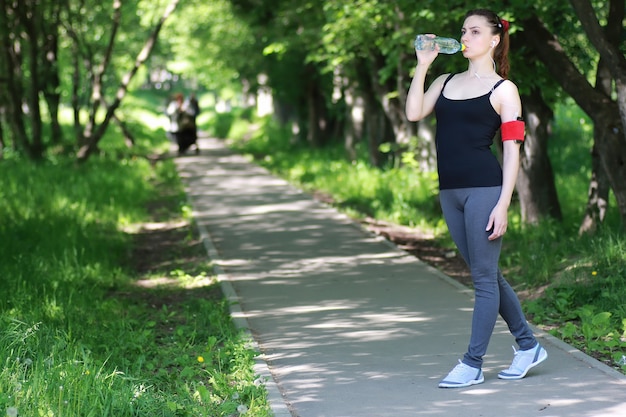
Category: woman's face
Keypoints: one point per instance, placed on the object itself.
(476, 36)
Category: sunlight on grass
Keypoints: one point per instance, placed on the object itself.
(81, 335)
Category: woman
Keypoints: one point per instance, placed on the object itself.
(475, 191)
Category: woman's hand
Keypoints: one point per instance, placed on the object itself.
(426, 56)
(498, 222)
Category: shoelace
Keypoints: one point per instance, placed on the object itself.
(458, 370)
(517, 357)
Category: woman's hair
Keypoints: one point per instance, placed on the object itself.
(501, 52)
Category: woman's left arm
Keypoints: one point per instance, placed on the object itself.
(510, 109)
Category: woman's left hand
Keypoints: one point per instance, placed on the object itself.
(498, 222)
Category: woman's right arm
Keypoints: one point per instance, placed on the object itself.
(420, 104)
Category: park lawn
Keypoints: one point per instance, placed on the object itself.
(111, 307)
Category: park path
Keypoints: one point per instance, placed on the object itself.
(348, 325)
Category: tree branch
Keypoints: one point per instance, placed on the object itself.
(88, 148)
(551, 53)
(608, 51)
(98, 76)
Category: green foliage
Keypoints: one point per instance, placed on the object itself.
(221, 124)
(572, 160)
(209, 42)
(534, 254)
(585, 302)
(80, 337)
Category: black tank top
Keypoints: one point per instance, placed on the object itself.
(465, 132)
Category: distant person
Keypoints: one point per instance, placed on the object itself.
(182, 123)
(475, 191)
(170, 110)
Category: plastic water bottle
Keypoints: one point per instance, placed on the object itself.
(446, 45)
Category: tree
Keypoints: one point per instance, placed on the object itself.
(25, 27)
(51, 80)
(93, 131)
(535, 184)
(606, 45)
(612, 66)
(599, 186)
(211, 43)
(601, 108)
(34, 66)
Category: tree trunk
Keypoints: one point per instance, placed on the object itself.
(373, 117)
(316, 119)
(598, 194)
(611, 143)
(607, 43)
(13, 75)
(50, 72)
(601, 108)
(355, 110)
(535, 182)
(391, 103)
(97, 80)
(373, 131)
(2, 123)
(31, 20)
(129, 138)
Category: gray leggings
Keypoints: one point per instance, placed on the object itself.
(466, 211)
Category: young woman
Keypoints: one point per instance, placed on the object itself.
(475, 191)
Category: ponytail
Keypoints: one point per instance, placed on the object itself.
(501, 56)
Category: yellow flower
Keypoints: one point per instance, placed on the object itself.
(200, 359)
(594, 273)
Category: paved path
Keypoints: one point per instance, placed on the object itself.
(349, 325)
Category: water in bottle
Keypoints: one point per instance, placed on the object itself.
(446, 45)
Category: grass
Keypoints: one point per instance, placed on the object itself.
(575, 283)
(88, 329)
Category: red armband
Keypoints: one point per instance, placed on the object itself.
(513, 130)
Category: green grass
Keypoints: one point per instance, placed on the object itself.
(580, 277)
(80, 336)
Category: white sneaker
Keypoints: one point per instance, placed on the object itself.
(462, 376)
(523, 361)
